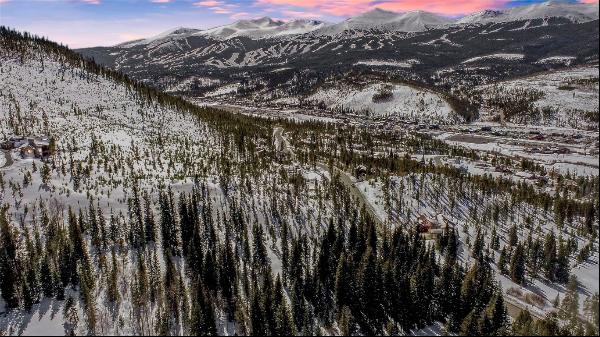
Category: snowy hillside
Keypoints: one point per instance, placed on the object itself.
(566, 98)
(404, 101)
(127, 211)
(116, 143)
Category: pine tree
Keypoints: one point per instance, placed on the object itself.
(517, 265)
(113, 288)
(523, 324)
(569, 308)
(550, 259)
(503, 261)
(259, 253)
(498, 315)
(471, 324)
(257, 319)
(9, 276)
(71, 316)
(562, 264)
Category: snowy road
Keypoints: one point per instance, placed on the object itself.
(282, 145)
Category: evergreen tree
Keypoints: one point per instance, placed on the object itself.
(517, 265)
(9, 277)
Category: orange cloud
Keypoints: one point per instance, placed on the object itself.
(353, 7)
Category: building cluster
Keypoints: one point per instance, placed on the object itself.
(28, 147)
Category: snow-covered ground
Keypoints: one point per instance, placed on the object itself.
(578, 162)
(384, 63)
(430, 195)
(406, 102)
(571, 92)
(501, 56)
(108, 136)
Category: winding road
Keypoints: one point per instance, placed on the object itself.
(282, 145)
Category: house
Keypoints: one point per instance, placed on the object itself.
(432, 228)
(293, 170)
(360, 172)
(42, 147)
(27, 151)
(29, 148)
(503, 169)
(426, 224)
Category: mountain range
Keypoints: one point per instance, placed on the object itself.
(417, 46)
(379, 19)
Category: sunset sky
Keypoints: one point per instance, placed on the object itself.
(83, 23)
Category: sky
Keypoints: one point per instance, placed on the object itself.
(87, 23)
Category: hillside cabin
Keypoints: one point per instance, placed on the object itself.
(28, 148)
(432, 228)
(27, 151)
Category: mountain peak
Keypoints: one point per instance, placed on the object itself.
(576, 12)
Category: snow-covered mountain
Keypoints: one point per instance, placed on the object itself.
(415, 21)
(264, 27)
(169, 34)
(377, 19)
(255, 29)
(576, 12)
(418, 45)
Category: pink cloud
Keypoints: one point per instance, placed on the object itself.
(218, 7)
(240, 15)
(588, 1)
(160, 1)
(209, 3)
(353, 7)
(92, 2)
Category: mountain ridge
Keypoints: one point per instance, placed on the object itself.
(379, 19)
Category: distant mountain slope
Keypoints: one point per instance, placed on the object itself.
(264, 28)
(416, 21)
(574, 12)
